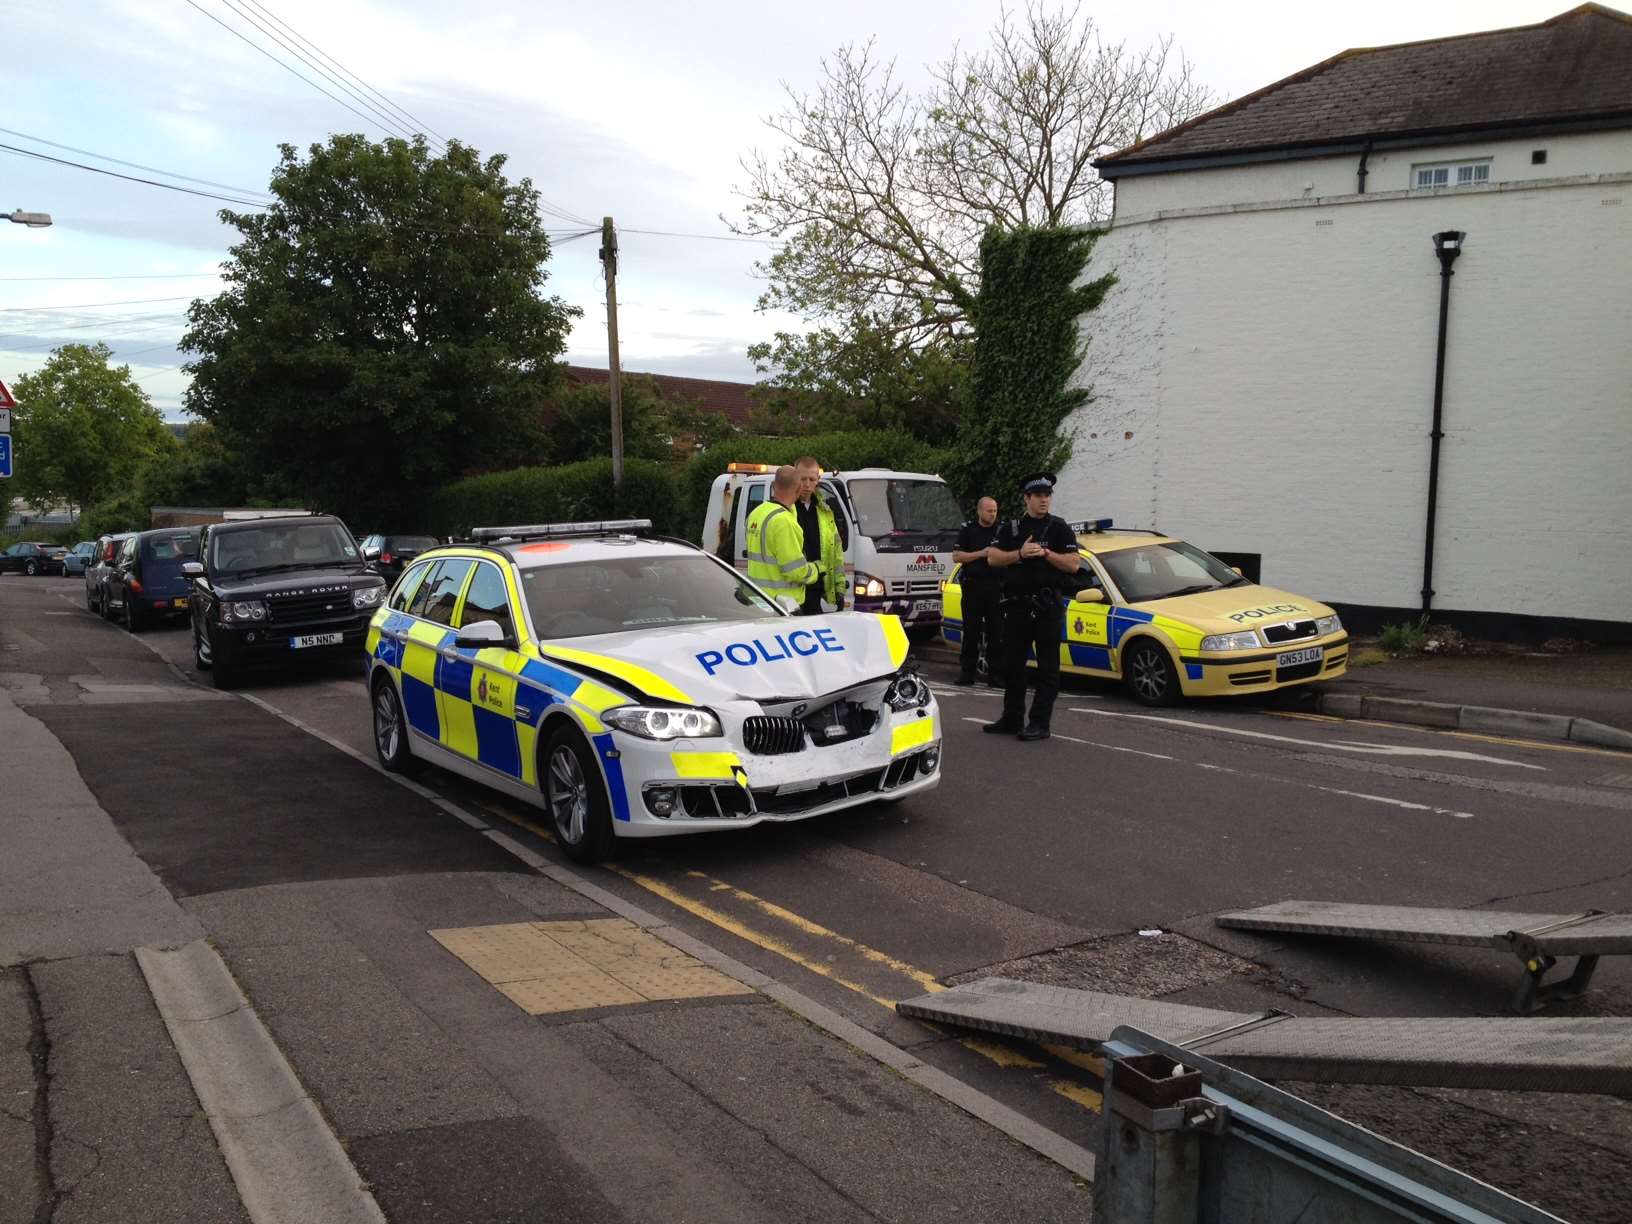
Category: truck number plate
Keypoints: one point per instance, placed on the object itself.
(317, 639)
(1293, 657)
(920, 606)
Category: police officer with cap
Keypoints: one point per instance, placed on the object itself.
(1037, 555)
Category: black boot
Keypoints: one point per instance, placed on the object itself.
(1035, 731)
(1003, 726)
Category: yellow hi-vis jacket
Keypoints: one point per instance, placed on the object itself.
(776, 552)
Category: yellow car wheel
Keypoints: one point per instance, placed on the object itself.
(1149, 673)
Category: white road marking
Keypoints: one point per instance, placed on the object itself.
(1398, 750)
(1330, 790)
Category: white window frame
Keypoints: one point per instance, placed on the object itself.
(1454, 173)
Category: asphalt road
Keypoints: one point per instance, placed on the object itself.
(1051, 861)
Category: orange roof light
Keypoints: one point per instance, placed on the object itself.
(757, 468)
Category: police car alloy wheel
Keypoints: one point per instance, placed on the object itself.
(1150, 674)
(390, 729)
(576, 799)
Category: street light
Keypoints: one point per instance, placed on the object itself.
(1447, 245)
(31, 219)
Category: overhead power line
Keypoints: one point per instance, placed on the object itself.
(243, 191)
(623, 229)
(388, 121)
(420, 124)
(131, 178)
(238, 34)
(87, 305)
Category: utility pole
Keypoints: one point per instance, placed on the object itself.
(609, 260)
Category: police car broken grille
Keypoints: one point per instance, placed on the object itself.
(1289, 631)
(309, 606)
(840, 722)
(770, 736)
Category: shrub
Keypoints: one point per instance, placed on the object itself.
(570, 493)
(1406, 638)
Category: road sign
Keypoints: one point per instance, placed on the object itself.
(5, 456)
(5, 397)
(5, 420)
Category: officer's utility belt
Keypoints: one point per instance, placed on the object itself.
(1044, 599)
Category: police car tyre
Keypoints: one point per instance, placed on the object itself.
(579, 808)
(390, 729)
(1150, 675)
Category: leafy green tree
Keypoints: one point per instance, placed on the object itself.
(654, 427)
(859, 377)
(83, 429)
(382, 328)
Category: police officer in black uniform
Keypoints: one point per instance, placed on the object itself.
(982, 590)
(1037, 556)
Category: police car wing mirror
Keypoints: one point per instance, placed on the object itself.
(1089, 595)
(787, 603)
(483, 633)
(191, 569)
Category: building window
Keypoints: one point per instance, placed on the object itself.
(1451, 174)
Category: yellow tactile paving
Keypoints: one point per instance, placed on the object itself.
(568, 966)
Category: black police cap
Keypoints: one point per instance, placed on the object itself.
(1038, 482)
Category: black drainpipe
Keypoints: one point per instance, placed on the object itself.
(1447, 245)
(1362, 172)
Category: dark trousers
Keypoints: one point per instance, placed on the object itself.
(813, 600)
(1031, 623)
(982, 621)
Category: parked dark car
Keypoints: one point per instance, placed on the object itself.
(391, 554)
(145, 582)
(32, 557)
(101, 565)
(78, 558)
(274, 591)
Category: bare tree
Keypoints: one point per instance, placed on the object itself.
(882, 195)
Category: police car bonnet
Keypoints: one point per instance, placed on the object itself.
(793, 656)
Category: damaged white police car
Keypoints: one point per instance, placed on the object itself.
(635, 686)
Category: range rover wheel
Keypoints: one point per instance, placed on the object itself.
(202, 660)
(580, 811)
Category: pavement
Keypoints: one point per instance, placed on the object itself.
(704, 1029)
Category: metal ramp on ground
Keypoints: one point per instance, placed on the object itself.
(1538, 940)
(1548, 1054)
(1190, 1141)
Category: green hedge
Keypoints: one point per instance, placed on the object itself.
(842, 451)
(570, 493)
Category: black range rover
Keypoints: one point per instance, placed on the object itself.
(274, 590)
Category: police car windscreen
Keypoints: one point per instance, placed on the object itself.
(579, 599)
(280, 545)
(1161, 571)
(904, 507)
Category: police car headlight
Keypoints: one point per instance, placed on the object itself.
(869, 587)
(244, 610)
(1231, 641)
(663, 722)
(367, 597)
(906, 691)
(1328, 624)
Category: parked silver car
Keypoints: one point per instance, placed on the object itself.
(78, 558)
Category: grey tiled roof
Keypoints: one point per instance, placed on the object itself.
(1574, 66)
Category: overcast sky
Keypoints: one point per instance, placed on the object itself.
(639, 111)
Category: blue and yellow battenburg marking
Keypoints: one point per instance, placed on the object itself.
(489, 704)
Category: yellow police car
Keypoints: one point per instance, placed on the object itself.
(636, 686)
(1168, 620)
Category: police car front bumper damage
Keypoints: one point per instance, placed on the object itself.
(796, 774)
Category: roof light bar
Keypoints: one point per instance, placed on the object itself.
(556, 531)
(1085, 526)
